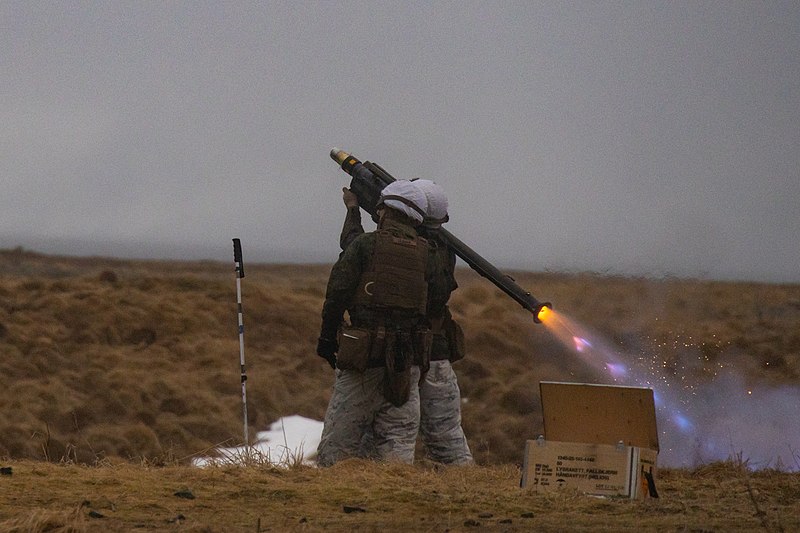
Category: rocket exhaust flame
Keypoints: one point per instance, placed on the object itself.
(542, 313)
(699, 422)
(605, 360)
(572, 336)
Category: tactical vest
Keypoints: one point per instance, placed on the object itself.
(395, 276)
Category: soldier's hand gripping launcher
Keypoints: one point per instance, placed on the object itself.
(368, 181)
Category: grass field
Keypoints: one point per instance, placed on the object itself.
(360, 496)
(114, 374)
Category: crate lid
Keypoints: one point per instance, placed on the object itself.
(601, 414)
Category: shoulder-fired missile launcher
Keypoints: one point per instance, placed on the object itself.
(369, 179)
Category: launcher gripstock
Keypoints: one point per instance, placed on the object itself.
(368, 181)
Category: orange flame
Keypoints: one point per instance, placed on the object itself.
(544, 314)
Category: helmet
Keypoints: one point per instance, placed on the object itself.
(437, 203)
(403, 196)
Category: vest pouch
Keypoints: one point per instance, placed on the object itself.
(455, 339)
(423, 341)
(377, 352)
(399, 359)
(354, 348)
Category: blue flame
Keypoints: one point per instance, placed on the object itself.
(617, 370)
(683, 422)
(581, 344)
(657, 398)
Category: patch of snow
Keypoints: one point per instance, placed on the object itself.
(289, 440)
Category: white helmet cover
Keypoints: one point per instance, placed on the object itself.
(437, 202)
(404, 196)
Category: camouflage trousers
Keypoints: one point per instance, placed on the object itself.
(440, 423)
(356, 407)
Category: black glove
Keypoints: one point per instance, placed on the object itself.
(327, 348)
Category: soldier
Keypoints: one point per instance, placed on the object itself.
(440, 397)
(381, 280)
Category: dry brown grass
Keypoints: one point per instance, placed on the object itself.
(365, 496)
(114, 373)
(133, 359)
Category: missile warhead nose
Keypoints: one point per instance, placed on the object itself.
(339, 155)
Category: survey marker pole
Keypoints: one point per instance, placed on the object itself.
(237, 261)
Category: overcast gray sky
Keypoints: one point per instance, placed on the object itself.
(637, 138)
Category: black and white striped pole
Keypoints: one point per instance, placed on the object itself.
(237, 261)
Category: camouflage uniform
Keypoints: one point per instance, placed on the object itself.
(357, 404)
(439, 394)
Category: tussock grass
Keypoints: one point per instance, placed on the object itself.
(41, 520)
(138, 360)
